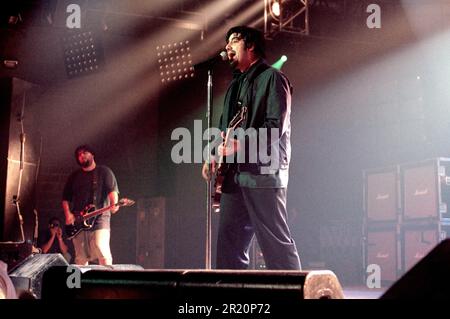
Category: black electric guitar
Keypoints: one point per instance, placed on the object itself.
(85, 220)
(222, 167)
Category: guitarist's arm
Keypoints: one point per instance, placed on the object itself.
(113, 199)
(70, 218)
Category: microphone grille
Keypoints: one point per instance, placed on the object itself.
(224, 55)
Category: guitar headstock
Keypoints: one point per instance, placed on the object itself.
(126, 202)
(239, 117)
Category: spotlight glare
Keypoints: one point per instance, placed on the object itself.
(279, 64)
(276, 8)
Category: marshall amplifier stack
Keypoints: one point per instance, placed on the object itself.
(406, 214)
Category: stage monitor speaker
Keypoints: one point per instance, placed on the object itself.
(178, 286)
(428, 279)
(100, 282)
(13, 253)
(27, 276)
(272, 286)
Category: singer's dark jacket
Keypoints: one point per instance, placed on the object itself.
(267, 94)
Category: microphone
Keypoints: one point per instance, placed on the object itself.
(222, 56)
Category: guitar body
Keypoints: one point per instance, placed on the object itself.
(75, 229)
(80, 223)
(85, 220)
(220, 177)
(224, 168)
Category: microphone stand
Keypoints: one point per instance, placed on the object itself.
(209, 183)
(210, 64)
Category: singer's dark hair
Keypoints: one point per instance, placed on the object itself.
(251, 37)
(83, 148)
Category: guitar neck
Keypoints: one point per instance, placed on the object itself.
(99, 211)
(225, 143)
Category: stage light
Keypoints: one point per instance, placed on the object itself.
(175, 61)
(10, 64)
(275, 7)
(286, 15)
(82, 53)
(279, 64)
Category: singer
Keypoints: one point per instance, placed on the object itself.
(253, 200)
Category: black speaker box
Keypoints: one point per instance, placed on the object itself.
(428, 279)
(13, 254)
(213, 286)
(27, 276)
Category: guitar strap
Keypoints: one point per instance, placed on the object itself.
(246, 88)
(94, 188)
(94, 192)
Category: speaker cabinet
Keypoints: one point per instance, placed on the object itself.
(419, 239)
(151, 232)
(421, 188)
(18, 160)
(428, 279)
(27, 277)
(180, 286)
(382, 250)
(381, 194)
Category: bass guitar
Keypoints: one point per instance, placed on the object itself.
(222, 167)
(85, 220)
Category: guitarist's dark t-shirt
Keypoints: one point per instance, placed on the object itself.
(79, 192)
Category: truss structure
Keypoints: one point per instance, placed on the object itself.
(293, 17)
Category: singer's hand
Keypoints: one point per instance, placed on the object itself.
(206, 173)
(233, 146)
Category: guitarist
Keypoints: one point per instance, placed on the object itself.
(97, 185)
(253, 200)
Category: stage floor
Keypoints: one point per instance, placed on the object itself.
(361, 292)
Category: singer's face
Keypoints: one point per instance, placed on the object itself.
(238, 54)
(85, 158)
